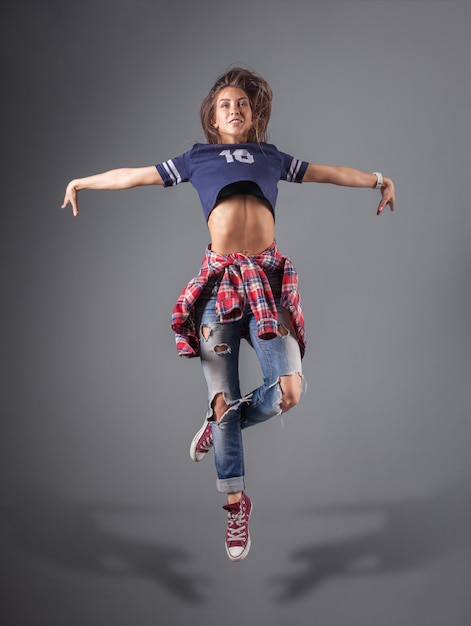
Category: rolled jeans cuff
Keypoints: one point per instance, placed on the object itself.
(230, 485)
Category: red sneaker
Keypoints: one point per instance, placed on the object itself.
(237, 534)
(202, 442)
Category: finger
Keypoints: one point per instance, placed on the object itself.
(73, 204)
(388, 202)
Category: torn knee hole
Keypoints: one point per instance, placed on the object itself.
(205, 332)
(219, 401)
(291, 388)
(219, 406)
(282, 330)
(222, 348)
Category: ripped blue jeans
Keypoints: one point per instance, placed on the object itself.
(219, 353)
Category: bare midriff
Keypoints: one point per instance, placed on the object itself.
(241, 223)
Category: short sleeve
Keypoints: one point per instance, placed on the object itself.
(175, 171)
(292, 169)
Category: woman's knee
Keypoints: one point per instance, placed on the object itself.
(219, 406)
(291, 389)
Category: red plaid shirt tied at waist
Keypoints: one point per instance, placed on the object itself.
(242, 279)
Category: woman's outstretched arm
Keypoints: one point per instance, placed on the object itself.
(122, 178)
(350, 177)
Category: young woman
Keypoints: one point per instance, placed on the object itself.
(245, 287)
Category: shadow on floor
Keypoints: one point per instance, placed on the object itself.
(71, 534)
(413, 533)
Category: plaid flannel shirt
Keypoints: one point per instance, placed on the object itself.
(243, 278)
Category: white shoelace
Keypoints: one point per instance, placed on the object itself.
(236, 527)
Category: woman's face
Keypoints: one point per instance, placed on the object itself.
(233, 115)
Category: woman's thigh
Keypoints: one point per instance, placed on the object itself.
(280, 356)
(219, 351)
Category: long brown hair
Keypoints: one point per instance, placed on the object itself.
(260, 97)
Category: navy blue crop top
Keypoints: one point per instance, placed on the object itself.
(214, 171)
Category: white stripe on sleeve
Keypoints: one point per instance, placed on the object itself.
(293, 170)
(172, 172)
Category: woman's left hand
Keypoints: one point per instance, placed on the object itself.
(388, 196)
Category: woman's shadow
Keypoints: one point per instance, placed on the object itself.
(413, 533)
(71, 534)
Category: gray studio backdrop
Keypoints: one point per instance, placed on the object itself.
(362, 495)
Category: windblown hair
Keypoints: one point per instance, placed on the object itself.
(260, 97)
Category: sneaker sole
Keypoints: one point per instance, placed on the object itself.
(193, 453)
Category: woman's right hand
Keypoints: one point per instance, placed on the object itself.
(71, 197)
(120, 178)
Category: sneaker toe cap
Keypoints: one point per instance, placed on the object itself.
(235, 551)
